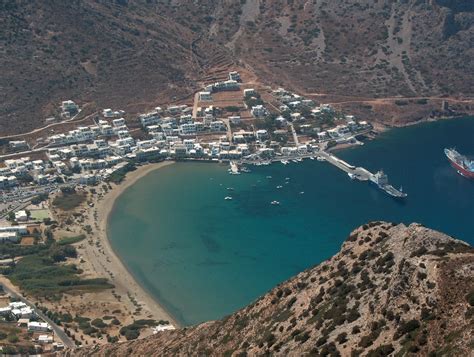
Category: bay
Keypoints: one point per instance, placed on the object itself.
(203, 257)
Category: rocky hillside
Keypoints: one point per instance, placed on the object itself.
(133, 54)
(353, 47)
(391, 288)
(119, 54)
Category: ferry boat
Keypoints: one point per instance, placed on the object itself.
(381, 180)
(460, 163)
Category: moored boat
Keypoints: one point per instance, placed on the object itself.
(460, 163)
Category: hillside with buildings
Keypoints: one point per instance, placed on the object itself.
(391, 289)
(138, 54)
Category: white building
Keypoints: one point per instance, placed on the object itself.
(21, 216)
(44, 339)
(21, 230)
(249, 92)
(258, 111)
(9, 237)
(261, 134)
(34, 326)
(235, 119)
(205, 96)
(118, 122)
(217, 125)
(234, 76)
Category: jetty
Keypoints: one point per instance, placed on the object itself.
(379, 178)
(355, 173)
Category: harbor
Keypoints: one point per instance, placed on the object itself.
(380, 179)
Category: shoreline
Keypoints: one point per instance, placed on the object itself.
(114, 268)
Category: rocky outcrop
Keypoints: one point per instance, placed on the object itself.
(390, 289)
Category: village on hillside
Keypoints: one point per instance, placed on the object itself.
(228, 121)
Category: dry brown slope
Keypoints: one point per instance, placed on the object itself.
(391, 288)
(119, 54)
(354, 47)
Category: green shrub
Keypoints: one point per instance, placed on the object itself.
(98, 323)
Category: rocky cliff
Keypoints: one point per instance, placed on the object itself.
(391, 289)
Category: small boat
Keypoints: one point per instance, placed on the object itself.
(244, 169)
(299, 159)
(230, 188)
(287, 178)
(279, 186)
(269, 177)
(275, 203)
(284, 162)
(311, 157)
(294, 160)
(351, 175)
(228, 198)
(302, 193)
(320, 158)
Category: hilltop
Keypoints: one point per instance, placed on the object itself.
(136, 54)
(391, 288)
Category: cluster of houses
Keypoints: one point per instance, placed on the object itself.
(98, 150)
(26, 317)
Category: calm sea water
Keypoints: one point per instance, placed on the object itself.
(204, 257)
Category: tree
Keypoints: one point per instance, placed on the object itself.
(11, 216)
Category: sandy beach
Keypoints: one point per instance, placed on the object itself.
(128, 300)
(122, 279)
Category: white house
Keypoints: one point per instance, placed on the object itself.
(258, 111)
(249, 92)
(234, 76)
(261, 134)
(34, 326)
(21, 216)
(205, 96)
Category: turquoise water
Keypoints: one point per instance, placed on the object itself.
(204, 257)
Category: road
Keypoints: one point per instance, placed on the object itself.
(295, 136)
(52, 125)
(59, 332)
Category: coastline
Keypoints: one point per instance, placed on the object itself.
(113, 267)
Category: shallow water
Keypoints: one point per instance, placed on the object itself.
(204, 257)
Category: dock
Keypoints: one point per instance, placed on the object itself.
(355, 173)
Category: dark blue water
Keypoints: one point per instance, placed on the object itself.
(204, 257)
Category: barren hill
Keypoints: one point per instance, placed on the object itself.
(133, 54)
(391, 288)
(116, 54)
